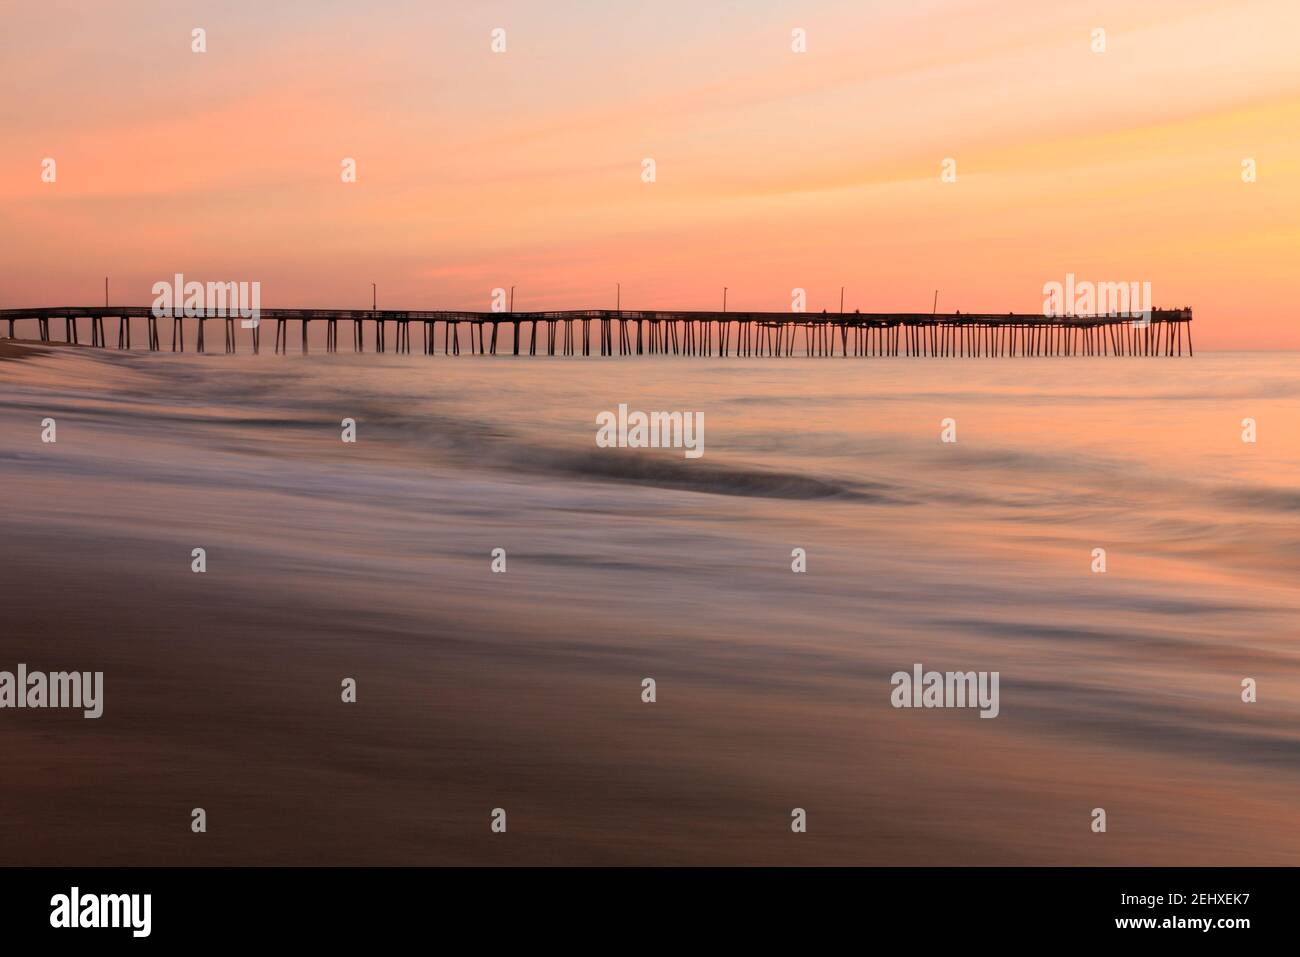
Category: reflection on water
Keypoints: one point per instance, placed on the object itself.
(1118, 690)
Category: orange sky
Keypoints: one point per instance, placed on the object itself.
(775, 169)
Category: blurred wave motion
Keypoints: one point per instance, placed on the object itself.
(370, 560)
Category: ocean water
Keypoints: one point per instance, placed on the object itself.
(477, 690)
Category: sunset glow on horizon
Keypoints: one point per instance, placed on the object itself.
(774, 169)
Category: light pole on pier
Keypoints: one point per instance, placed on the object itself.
(374, 298)
(724, 298)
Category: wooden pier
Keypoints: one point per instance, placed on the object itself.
(657, 332)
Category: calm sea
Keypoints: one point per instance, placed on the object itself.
(522, 690)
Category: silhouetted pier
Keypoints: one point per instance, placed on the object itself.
(632, 332)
